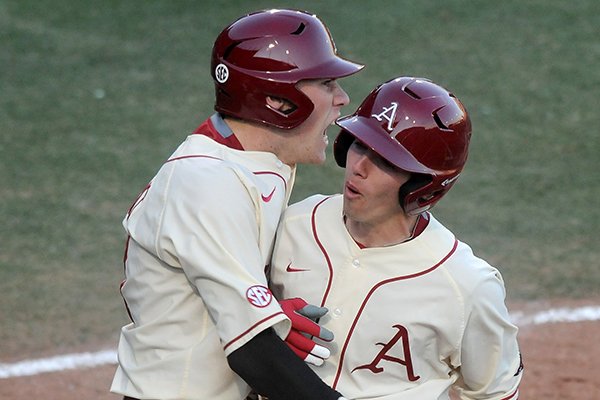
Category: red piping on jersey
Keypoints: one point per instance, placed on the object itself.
(207, 128)
(373, 289)
(273, 173)
(220, 159)
(516, 393)
(192, 156)
(126, 251)
(125, 280)
(138, 199)
(235, 339)
(316, 236)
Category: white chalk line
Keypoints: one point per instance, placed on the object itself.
(58, 363)
(106, 357)
(557, 315)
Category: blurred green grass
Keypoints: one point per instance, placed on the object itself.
(95, 95)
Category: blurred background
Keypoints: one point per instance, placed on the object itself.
(94, 96)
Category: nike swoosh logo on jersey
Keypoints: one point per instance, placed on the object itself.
(289, 268)
(268, 198)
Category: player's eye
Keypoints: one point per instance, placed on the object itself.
(358, 146)
(330, 83)
(386, 165)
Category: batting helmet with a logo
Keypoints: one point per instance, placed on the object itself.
(265, 54)
(419, 127)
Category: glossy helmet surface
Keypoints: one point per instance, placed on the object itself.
(265, 54)
(419, 127)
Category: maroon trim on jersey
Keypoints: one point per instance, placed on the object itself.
(125, 253)
(192, 156)
(139, 199)
(419, 228)
(273, 173)
(360, 245)
(266, 199)
(366, 300)
(327, 259)
(512, 396)
(125, 301)
(422, 222)
(235, 339)
(208, 129)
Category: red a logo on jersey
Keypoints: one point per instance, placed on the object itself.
(402, 336)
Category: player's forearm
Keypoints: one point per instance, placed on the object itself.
(272, 369)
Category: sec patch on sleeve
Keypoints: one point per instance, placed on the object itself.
(259, 296)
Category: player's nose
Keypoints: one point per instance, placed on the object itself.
(341, 98)
(360, 165)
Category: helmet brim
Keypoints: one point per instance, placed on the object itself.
(335, 68)
(384, 145)
(332, 69)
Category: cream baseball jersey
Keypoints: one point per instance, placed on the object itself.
(200, 236)
(410, 320)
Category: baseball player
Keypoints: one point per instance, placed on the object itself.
(202, 231)
(413, 311)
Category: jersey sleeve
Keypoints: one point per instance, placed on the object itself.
(491, 365)
(212, 231)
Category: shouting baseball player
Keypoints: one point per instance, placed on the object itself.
(413, 311)
(202, 231)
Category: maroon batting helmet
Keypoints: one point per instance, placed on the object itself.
(265, 54)
(419, 127)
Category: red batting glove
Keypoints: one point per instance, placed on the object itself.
(300, 313)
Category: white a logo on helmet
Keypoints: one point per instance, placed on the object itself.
(389, 114)
(222, 73)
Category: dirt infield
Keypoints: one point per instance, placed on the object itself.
(561, 362)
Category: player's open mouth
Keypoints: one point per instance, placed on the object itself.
(351, 190)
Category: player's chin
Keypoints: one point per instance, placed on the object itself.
(318, 158)
(322, 152)
(319, 152)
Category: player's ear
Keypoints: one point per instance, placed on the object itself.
(281, 105)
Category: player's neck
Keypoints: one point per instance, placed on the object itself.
(381, 233)
(258, 137)
(250, 135)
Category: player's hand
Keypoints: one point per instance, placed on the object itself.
(302, 316)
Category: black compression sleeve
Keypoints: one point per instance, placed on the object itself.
(268, 365)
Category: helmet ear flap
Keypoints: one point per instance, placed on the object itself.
(342, 143)
(414, 183)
